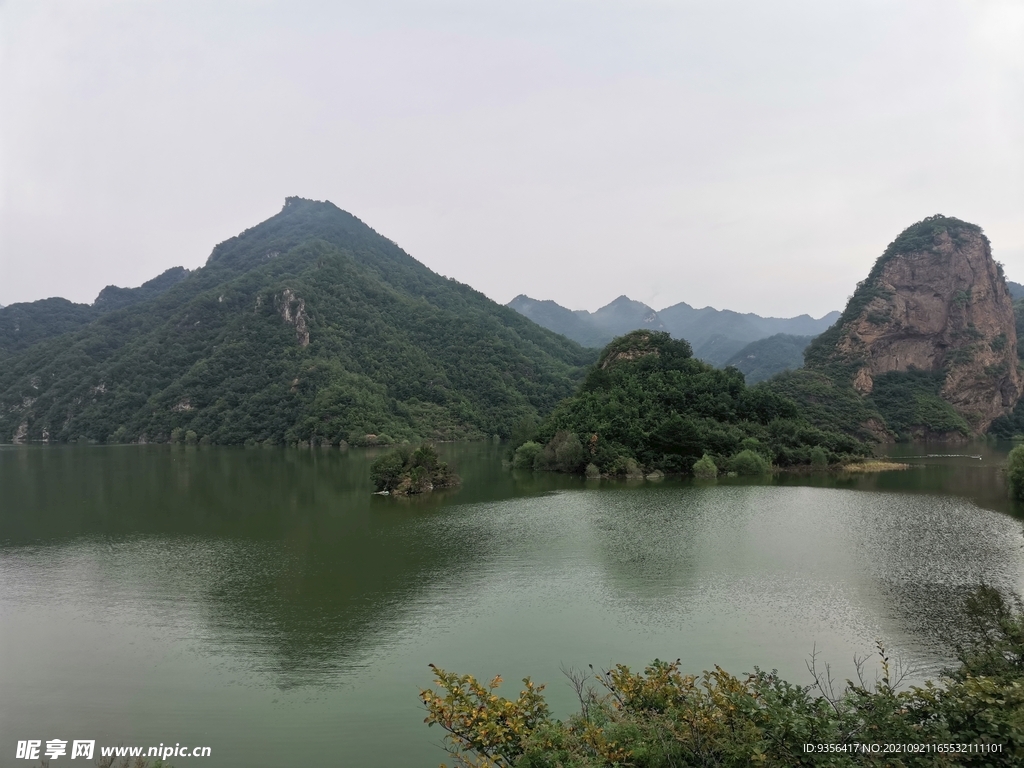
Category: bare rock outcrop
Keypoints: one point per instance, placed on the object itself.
(632, 346)
(935, 301)
(293, 311)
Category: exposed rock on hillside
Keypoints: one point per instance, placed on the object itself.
(293, 311)
(937, 302)
(633, 346)
(308, 328)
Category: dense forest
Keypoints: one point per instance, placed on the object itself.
(900, 406)
(25, 324)
(649, 405)
(309, 326)
(764, 358)
(313, 327)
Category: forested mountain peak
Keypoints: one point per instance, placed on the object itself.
(648, 405)
(639, 344)
(299, 220)
(307, 327)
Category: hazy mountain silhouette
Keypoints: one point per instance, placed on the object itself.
(715, 334)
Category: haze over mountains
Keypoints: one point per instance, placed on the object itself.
(762, 359)
(312, 327)
(716, 335)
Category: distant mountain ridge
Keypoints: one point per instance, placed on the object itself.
(715, 334)
(762, 359)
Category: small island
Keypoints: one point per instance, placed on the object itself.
(405, 471)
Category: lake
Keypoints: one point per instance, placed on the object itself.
(263, 603)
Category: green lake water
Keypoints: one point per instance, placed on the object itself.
(263, 603)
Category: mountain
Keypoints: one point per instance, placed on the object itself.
(762, 359)
(649, 405)
(590, 329)
(718, 348)
(715, 335)
(700, 326)
(308, 327)
(112, 297)
(574, 325)
(1016, 290)
(929, 337)
(24, 324)
(624, 315)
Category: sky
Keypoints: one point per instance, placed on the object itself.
(744, 155)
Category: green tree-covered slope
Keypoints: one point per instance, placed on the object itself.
(112, 297)
(766, 357)
(28, 323)
(648, 404)
(25, 324)
(307, 326)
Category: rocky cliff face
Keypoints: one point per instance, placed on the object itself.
(935, 301)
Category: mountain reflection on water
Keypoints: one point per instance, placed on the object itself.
(265, 603)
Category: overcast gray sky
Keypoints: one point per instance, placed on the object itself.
(754, 155)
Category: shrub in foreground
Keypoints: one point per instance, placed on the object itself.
(661, 717)
(705, 468)
(819, 459)
(525, 455)
(748, 462)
